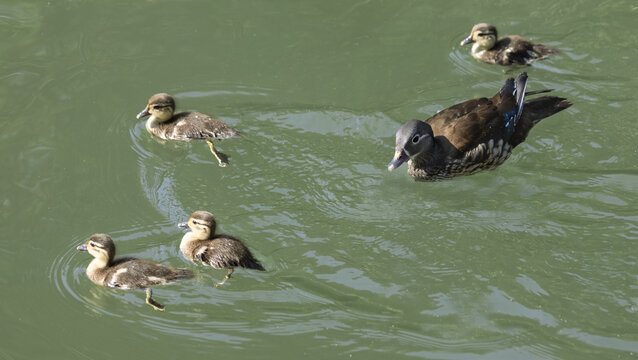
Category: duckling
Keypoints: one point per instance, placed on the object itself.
(187, 125)
(510, 50)
(474, 135)
(127, 273)
(201, 244)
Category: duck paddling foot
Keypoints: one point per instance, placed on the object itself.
(230, 271)
(149, 300)
(220, 156)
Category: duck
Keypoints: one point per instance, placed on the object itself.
(202, 245)
(509, 50)
(474, 135)
(188, 125)
(127, 273)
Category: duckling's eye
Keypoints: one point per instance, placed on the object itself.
(195, 222)
(416, 139)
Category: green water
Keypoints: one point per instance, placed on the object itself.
(534, 260)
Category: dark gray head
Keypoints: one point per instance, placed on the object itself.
(412, 139)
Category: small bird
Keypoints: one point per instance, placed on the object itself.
(188, 125)
(510, 50)
(127, 273)
(201, 244)
(474, 135)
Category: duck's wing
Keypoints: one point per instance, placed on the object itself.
(139, 273)
(224, 252)
(471, 123)
(195, 125)
(214, 253)
(516, 50)
(466, 125)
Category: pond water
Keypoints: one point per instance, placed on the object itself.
(534, 260)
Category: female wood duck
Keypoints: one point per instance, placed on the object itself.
(187, 125)
(510, 50)
(127, 273)
(201, 244)
(474, 135)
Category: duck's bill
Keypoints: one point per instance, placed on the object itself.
(467, 40)
(143, 113)
(82, 247)
(399, 158)
(183, 224)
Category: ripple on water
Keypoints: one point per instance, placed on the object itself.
(211, 312)
(465, 64)
(198, 311)
(317, 198)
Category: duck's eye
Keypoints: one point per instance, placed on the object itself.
(91, 244)
(416, 139)
(195, 222)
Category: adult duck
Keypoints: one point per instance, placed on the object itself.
(474, 135)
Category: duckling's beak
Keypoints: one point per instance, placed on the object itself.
(143, 113)
(399, 158)
(467, 40)
(82, 247)
(183, 224)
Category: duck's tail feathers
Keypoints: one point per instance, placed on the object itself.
(543, 51)
(254, 264)
(183, 274)
(535, 111)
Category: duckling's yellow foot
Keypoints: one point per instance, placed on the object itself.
(149, 300)
(222, 158)
(230, 271)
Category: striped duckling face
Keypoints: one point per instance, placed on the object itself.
(413, 138)
(483, 36)
(100, 246)
(201, 223)
(160, 106)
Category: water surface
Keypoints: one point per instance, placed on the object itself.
(534, 260)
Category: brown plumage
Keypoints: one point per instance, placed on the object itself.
(509, 50)
(474, 135)
(127, 273)
(188, 125)
(201, 244)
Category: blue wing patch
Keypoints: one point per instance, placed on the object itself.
(511, 117)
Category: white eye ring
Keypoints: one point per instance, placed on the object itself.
(415, 139)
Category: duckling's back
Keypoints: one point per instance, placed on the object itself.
(140, 273)
(225, 252)
(515, 50)
(194, 125)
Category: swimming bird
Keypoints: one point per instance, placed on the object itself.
(474, 135)
(509, 50)
(188, 125)
(127, 273)
(201, 244)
